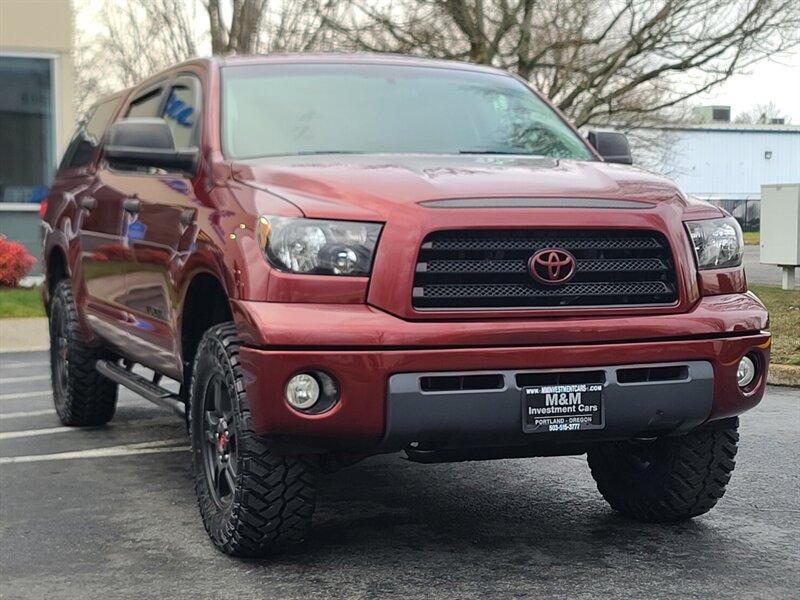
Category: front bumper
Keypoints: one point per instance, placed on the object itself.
(674, 402)
(377, 359)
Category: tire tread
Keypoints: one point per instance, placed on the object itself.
(691, 476)
(91, 398)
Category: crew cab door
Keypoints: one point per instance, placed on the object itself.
(161, 233)
(99, 227)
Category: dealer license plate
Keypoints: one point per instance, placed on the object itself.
(553, 408)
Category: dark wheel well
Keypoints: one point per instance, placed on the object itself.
(206, 304)
(56, 271)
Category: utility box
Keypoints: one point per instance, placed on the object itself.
(780, 228)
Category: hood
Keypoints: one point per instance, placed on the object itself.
(371, 186)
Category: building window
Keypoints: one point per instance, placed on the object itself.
(27, 128)
(721, 115)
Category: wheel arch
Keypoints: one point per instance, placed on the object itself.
(56, 269)
(205, 303)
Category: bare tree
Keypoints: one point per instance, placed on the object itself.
(601, 61)
(238, 34)
(620, 62)
(761, 114)
(299, 26)
(144, 37)
(133, 41)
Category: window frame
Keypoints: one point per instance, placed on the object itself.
(593, 155)
(56, 134)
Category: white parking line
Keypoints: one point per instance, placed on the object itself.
(12, 435)
(23, 365)
(155, 447)
(38, 394)
(27, 413)
(4, 380)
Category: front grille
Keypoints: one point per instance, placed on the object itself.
(489, 269)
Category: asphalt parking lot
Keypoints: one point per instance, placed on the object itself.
(110, 513)
(761, 274)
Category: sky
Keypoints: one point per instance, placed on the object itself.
(776, 80)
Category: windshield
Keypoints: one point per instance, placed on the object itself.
(294, 109)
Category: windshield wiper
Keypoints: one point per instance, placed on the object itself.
(311, 152)
(470, 151)
(489, 151)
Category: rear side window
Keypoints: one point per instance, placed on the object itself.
(87, 138)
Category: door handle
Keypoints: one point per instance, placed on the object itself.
(131, 205)
(88, 202)
(187, 216)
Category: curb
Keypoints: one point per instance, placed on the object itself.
(9, 350)
(24, 334)
(788, 375)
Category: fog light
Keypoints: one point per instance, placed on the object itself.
(302, 391)
(746, 372)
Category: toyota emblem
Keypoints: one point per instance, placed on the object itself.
(552, 266)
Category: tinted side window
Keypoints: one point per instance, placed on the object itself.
(182, 112)
(89, 135)
(145, 106)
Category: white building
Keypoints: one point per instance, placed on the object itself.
(725, 163)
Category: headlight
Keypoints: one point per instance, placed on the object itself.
(318, 247)
(717, 243)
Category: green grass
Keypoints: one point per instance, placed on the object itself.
(752, 238)
(784, 319)
(19, 302)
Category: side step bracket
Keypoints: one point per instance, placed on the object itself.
(145, 388)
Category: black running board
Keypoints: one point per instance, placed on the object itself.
(145, 388)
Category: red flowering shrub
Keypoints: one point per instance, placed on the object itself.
(14, 262)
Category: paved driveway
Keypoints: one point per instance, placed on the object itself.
(110, 513)
(763, 274)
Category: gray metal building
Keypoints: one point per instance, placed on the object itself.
(724, 163)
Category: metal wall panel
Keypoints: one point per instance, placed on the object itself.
(719, 164)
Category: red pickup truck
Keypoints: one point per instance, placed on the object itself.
(338, 256)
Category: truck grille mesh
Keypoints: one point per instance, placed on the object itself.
(489, 269)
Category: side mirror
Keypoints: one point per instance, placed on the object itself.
(148, 143)
(612, 146)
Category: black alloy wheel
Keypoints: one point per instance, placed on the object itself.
(59, 358)
(219, 451)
